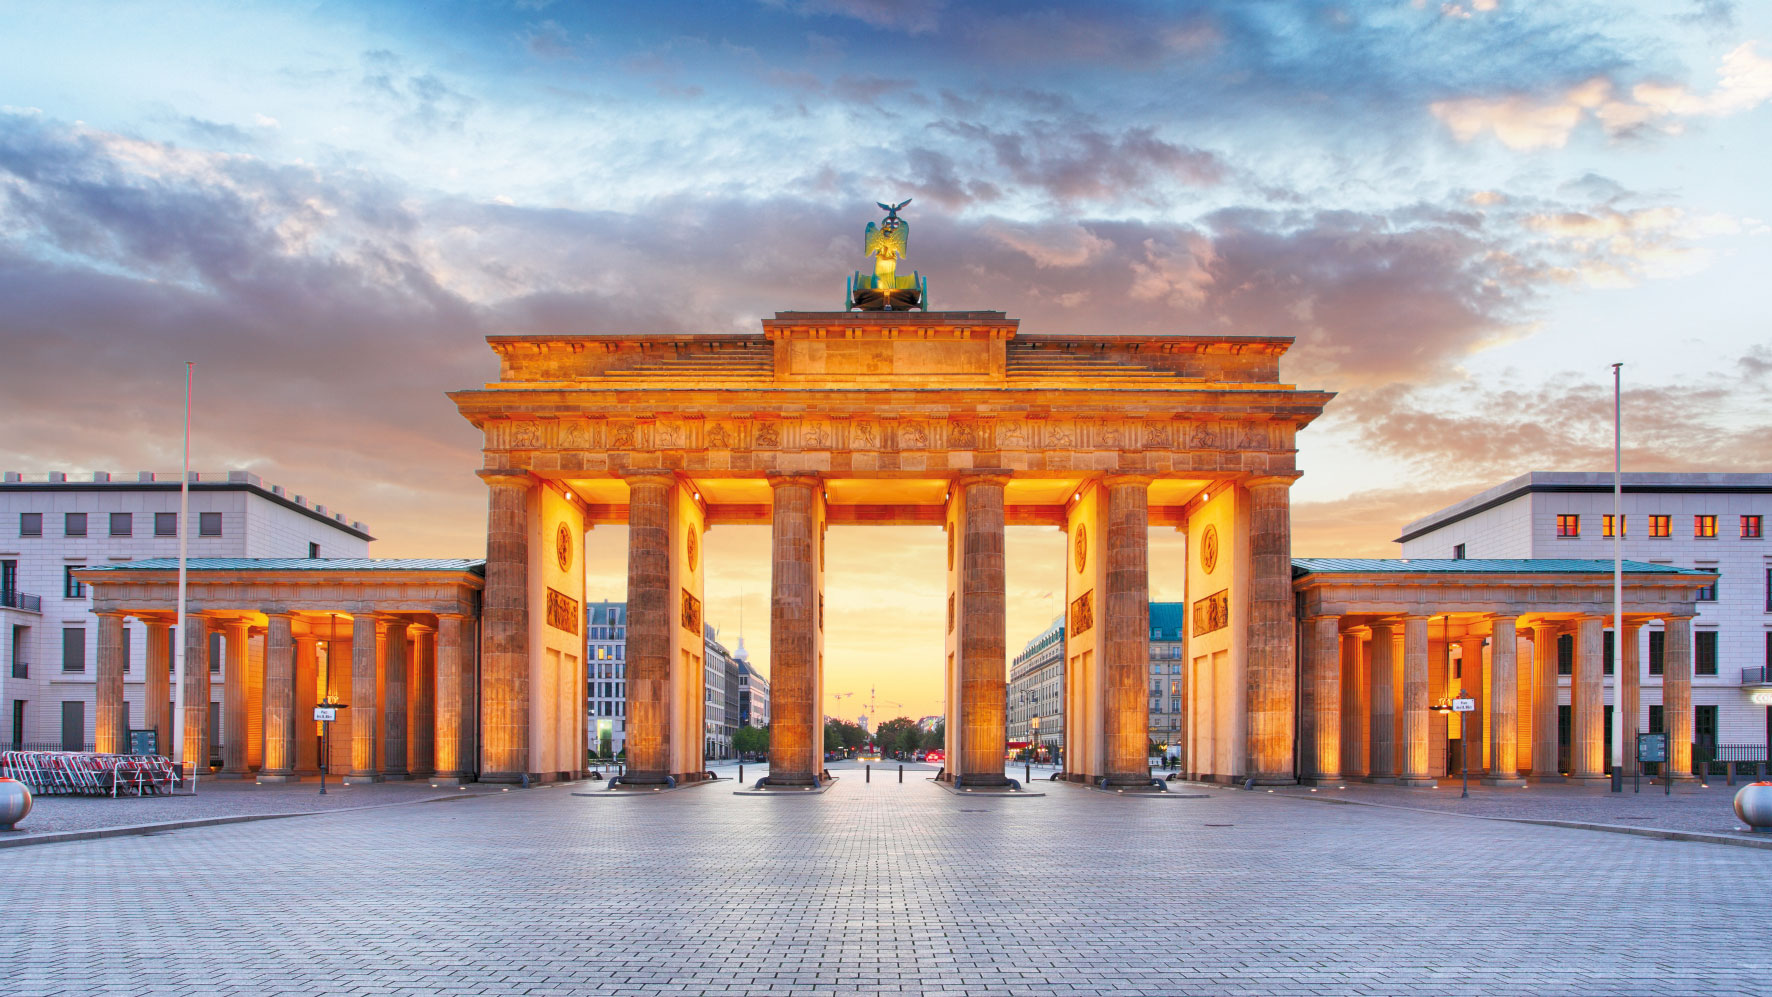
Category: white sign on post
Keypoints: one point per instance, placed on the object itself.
(1464, 705)
(325, 713)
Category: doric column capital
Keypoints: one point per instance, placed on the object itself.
(507, 476)
(1119, 479)
(1271, 480)
(783, 479)
(111, 614)
(983, 476)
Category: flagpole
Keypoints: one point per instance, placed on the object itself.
(1619, 657)
(184, 515)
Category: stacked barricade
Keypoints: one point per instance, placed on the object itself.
(84, 773)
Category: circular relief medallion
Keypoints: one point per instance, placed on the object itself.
(1209, 549)
(1082, 552)
(689, 547)
(563, 547)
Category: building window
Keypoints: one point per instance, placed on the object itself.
(1704, 527)
(30, 524)
(1657, 650)
(74, 524)
(1661, 527)
(313, 549)
(1708, 593)
(1704, 652)
(1606, 654)
(122, 524)
(71, 587)
(1458, 552)
(1704, 724)
(166, 524)
(1750, 528)
(1568, 526)
(73, 649)
(1565, 654)
(126, 661)
(1656, 718)
(1565, 724)
(1606, 525)
(209, 524)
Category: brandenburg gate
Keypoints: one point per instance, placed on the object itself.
(955, 420)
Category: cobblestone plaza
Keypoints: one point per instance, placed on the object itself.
(882, 887)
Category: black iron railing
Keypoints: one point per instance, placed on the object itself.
(13, 599)
(1755, 676)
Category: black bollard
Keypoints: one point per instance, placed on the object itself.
(741, 773)
(869, 777)
(901, 773)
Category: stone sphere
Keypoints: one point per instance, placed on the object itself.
(15, 802)
(1753, 804)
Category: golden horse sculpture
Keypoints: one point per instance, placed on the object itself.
(887, 242)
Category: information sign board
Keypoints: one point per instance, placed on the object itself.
(325, 713)
(144, 742)
(1651, 747)
(1464, 705)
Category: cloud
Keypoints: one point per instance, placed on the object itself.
(1520, 121)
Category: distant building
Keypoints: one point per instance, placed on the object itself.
(929, 723)
(862, 722)
(53, 523)
(1036, 689)
(753, 691)
(1036, 682)
(606, 654)
(716, 662)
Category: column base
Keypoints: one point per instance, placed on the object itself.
(360, 780)
(278, 777)
(394, 777)
(1379, 780)
(1322, 780)
(1413, 783)
(1515, 783)
(1535, 777)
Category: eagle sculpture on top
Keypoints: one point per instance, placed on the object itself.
(887, 242)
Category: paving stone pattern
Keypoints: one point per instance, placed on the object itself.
(883, 888)
(1689, 808)
(219, 798)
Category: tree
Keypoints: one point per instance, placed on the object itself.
(748, 740)
(937, 737)
(833, 735)
(605, 745)
(898, 734)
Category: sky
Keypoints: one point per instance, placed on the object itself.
(1463, 211)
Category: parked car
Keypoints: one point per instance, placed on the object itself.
(936, 756)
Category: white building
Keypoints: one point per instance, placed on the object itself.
(753, 690)
(1036, 689)
(716, 662)
(53, 523)
(606, 653)
(1715, 522)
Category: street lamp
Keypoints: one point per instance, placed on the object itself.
(1463, 704)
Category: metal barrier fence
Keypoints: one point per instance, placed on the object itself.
(85, 773)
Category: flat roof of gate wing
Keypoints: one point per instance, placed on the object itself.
(1302, 566)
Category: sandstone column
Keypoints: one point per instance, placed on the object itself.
(796, 734)
(234, 691)
(155, 686)
(1353, 704)
(1319, 716)
(1504, 764)
(1415, 748)
(1126, 619)
(1676, 695)
(363, 712)
(1525, 689)
(395, 664)
(504, 629)
(255, 699)
(196, 704)
(1470, 725)
(422, 695)
(1587, 703)
(649, 628)
(1544, 703)
(1269, 657)
(110, 735)
(982, 637)
(1628, 680)
(454, 762)
(280, 717)
(307, 694)
(1381, 735)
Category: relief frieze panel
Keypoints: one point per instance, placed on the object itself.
(888, 434)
